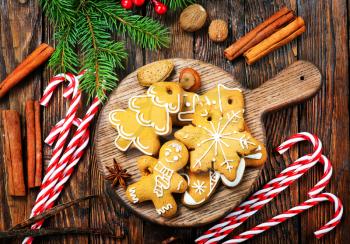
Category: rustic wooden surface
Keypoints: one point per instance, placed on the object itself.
(325, 43)
(286, 88)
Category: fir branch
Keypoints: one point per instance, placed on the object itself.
(101, 55)
(60, 12)
(144, 31)
(65, 58)
(177, 4)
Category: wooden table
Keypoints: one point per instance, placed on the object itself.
(326, 44)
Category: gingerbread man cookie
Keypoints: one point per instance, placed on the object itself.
(217, 141)
(201, 187)
(160, 178)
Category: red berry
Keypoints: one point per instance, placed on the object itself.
(127, 4)
(138, 2)
(160, 8)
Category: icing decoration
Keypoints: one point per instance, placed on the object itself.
(239, 175)
(162, 179)
(189, 108)
(132, 192)
(179, 185)
(188, 200)
(163, 209)
(199, 186)
(216, 141)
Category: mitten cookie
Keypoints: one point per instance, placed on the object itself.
(160, 178)
(217, 141)
(201, 187)
(130, 132)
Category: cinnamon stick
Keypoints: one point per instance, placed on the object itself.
(278, 39)
(33, 61)
(13, 153)
(258, 34)
(30, 126)
(38, 145)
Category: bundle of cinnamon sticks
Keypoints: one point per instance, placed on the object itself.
(278, 30)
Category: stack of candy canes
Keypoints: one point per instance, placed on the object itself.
(64, 158)
(255, 202)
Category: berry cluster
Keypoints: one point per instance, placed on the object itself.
(159, 7)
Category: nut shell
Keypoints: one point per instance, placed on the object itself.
(193, 18)
(218, 30)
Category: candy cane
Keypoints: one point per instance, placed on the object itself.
(69, 159)
(48, 181)
(270, 190)
(338, 209)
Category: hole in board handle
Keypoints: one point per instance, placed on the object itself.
(302, 77)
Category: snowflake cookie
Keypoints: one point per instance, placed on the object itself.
(160, 178)
(216, 140)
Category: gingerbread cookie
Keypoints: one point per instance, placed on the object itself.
(201, 187)
(147, 117)
(154, 108)
(224, 98)
(258, 157)
(216, 140)
(160, 178)
(130, 132)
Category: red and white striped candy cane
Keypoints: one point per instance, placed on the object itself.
(69, 159)
(48, 181)
(269, 191)
(338, 209)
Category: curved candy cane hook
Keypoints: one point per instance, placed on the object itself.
(338, 209)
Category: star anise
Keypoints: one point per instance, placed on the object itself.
(117, 175)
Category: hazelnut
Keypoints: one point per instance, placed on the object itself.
(189, 79)
(218, 30)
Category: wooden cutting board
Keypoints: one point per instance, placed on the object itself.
(294, 84)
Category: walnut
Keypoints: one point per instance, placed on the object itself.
(218, 30)
(193, 18)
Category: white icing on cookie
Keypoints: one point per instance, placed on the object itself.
(239, 175)
(225, 88)
(163, 209)
(179, 185)
(132, 192)
(168, 106)
(180, 115)
(216, 136)
(188, 200)
(162, 179)
(199, 187)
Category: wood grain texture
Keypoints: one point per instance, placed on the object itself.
(294, 84)
(325, 43)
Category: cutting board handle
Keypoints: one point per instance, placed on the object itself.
(294, 84)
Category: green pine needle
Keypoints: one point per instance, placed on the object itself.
(84, 38)
(177, 4)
